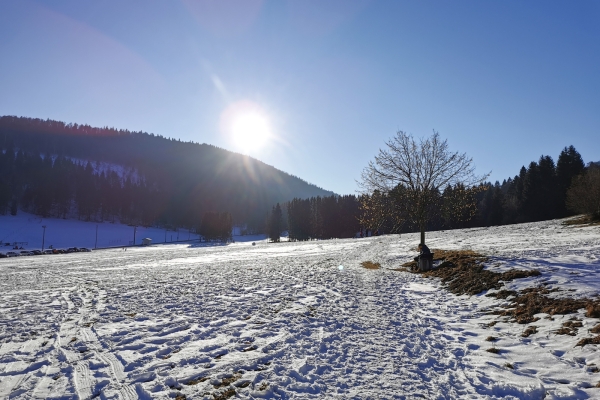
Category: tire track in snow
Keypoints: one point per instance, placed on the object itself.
(87, 318)
(128, 393)
(83, 380)
(76, 337)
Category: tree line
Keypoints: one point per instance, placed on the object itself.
(65, 188)
(543, 190)
(216, 226)
(315, 218)
(539, 192)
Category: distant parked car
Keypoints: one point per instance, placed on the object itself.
(84, 249)
(2, 255)
(12, 254)
(72, 250)
(49, 251)
(36, 253)
(26, 253)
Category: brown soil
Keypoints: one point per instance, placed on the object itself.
(462, 272)
(196, 381)
(570, 327)
(224, 395)
(529, 331)
(583, 342)
(370, 265)
(502, 294)
(533, 301)
(592, 310)
(228, 381)
(595, 329)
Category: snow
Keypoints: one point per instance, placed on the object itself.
(26, 229)
(285, 321)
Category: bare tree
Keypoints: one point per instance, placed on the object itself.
(414, 173)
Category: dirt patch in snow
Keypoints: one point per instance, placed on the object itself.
(370, 265)
(570, 327)
(525, 304)
(463, 272)
(583, 220)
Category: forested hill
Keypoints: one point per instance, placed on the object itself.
(174, 182)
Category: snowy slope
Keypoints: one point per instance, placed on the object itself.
(290, 320)
(63, 233)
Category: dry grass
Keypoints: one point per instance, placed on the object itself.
(493, 350)
(228, 381)
(583, 342)
(582, 220)
(451, 256)
(224, 395)
(570, 327)
(370, 265)
(529, 331)
(592, 310)
(462, 272)
(196, 381)
(533, 301)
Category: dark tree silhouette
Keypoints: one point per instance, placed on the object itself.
(584, 194)
(569, 165)
(275, 223)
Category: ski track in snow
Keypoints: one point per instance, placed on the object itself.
(289, 320)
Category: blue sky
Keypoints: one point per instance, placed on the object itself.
(503, 81)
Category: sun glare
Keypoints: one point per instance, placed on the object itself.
(250, 130)
(247, 126)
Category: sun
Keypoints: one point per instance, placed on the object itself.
(247, 126)
(250, 130)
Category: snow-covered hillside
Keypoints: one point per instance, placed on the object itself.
(292, 320)
(26, 230)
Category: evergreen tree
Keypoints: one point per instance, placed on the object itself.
(275, 223)
(584, 194)
(569, 165)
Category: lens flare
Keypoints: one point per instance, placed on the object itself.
(247, 126)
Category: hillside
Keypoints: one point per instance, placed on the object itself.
(177, 183)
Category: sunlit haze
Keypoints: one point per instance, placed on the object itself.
(247, 127)
(314, 88)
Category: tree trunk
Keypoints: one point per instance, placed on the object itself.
(422, 235)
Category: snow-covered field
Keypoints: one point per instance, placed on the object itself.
(26, 230)
(291, 320)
